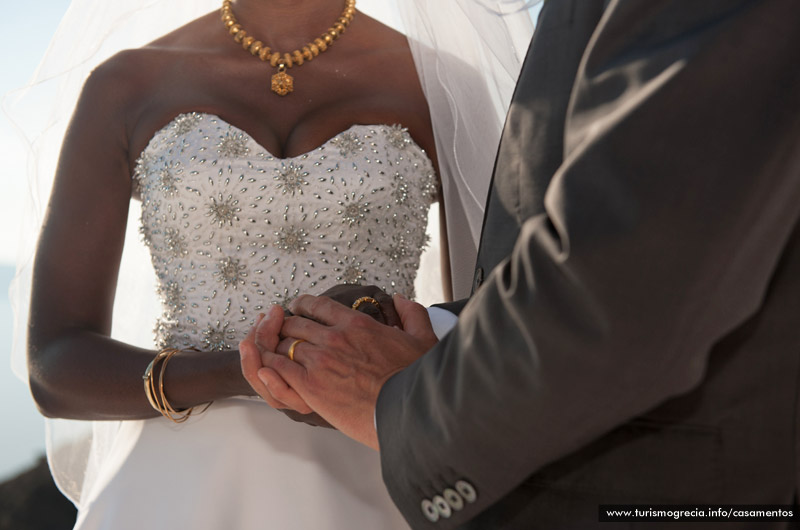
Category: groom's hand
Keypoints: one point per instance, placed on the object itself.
(348, 294)
(343, 361)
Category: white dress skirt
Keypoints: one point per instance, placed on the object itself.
(240, 465)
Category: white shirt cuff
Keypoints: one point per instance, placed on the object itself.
(442, 321)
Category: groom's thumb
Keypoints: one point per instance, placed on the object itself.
(414, 317)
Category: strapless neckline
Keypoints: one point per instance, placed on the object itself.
(323, 145)
(232, 229)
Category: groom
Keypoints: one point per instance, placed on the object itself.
(633, 335)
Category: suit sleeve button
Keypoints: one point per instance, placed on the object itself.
(455, 500)
(467, 491)
(430, 511)
(442, 507)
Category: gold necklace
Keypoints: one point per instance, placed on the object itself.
(283, 83)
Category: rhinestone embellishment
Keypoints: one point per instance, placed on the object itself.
(398, 137)
(230, 272)
(218, 337)
(184, 123)
(292, 239)
(233, 145)
(223, 211)
(291, 178)
(348, 143)
(175, 243)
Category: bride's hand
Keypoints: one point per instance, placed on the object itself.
(349, 294)
(265, 338)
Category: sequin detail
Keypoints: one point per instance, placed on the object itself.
(185, 123)
(291, 178)
(230, 272)
(218, 337)
(233, 145)
(175, 243)
(223, 210)
(232, 229)
(348, 143)
(398, 136)
(292, 239)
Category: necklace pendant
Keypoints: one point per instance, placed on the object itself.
(282, 83)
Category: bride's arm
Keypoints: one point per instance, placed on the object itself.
(76, 370)
(444, 249)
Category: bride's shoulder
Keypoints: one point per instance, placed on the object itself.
(378, 37)
(120, 82)
(150, 62)
(133, 74)
(127, 84)
(127, 65)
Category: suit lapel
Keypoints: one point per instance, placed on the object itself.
(532, 145)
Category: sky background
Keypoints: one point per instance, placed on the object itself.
(25, 32)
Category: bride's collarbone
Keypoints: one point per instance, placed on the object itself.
(284, 128)
(328, 99)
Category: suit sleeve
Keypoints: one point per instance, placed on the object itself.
(679, 190)
(454, 307)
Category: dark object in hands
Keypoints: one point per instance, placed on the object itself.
(313, 419)
(349, 294)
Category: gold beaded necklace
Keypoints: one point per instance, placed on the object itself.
(283, 83)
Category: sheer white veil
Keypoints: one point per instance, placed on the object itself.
(468, 54)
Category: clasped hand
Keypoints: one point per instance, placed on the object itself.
(341, 364)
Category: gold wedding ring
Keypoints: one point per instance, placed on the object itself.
(293, 346)
(366, 300)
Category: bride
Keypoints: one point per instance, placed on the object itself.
(270, 159)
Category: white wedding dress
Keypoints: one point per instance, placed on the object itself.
(232, 229)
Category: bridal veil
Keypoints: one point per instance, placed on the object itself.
(468, 54)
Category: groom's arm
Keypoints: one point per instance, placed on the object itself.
(679, 191)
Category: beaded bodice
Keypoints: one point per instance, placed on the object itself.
(232, 229)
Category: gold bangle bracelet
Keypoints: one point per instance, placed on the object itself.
(148, 374)
(157, 396)
(149, 386)
(166, 409)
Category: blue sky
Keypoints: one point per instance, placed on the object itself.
(24, 35)
(25, 32)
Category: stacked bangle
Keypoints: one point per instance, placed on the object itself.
(157, 396)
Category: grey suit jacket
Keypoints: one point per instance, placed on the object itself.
(634, 335)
